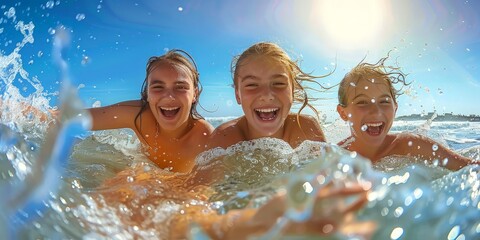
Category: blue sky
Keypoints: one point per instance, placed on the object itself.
(436, 42)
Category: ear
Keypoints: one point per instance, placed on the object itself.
(341, 111)
(237, 96)
(195, 95)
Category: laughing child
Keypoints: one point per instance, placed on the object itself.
(368, 102)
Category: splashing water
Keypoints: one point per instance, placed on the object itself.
(91, 193)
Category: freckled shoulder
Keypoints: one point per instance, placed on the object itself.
(399, 144)
(201, 125)
(308, 129)
(227, 134)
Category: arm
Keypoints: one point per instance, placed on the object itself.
(426, 148)
(119, 115)
(245, 223)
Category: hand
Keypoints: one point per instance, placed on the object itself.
(331, 213)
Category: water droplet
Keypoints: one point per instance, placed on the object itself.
(130, 179)
(398, 212)
(454, 232)
(373, 80)
(180, 9)
(327, 228)
(40, 53)
(85, 60)
(349, 115)
(11, 12)
(50, 4)
(80, 17)
(449, 201)
(384, 211)
(468, 49)
(396, 233)
(366, 87)
(352, 84)
(434, 147)
(373, 100)
(364, 127)
(445, 161)
(307, 187)
(353, 154)
(417, 193)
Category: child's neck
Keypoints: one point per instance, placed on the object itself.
(178, 133)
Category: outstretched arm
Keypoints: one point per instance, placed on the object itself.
(119, 115)
(426, 148)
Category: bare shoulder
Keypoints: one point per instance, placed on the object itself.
(304, 127)
(408, 143)
(201, 125)
(227, 134)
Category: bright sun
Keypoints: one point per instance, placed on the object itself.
(352, 24)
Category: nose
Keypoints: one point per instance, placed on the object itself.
(374, 107)
(170, 95)
(267, 94)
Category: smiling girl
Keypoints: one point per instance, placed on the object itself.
(165, 119)
(368, 102)
(267, 83)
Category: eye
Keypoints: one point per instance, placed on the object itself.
(251, 85)
(362, 102)
(157, 87)
(386, 101)
(182, 87)
(280, 84)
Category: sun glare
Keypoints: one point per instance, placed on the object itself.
(352, 24)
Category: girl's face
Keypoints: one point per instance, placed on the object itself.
(264, 89)
(170, 96)
(370, 110)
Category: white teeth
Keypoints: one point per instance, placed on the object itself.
(374, 124)
(169, 108)
(265, 110)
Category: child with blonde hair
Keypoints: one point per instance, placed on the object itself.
(267, 83)
(368, 102)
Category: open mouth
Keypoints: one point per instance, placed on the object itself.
(169, 112)
(267, 114)
(373, 129)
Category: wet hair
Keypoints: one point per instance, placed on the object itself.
(183, 63)
(297, 76)
(389, 75)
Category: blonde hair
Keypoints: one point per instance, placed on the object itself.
(297, 75)
(388, 74)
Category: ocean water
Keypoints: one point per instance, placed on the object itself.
(70, 183)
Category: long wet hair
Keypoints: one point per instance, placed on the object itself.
(296, 75)
(389, 75)
(183, 63)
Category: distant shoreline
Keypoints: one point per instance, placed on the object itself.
(441, 118)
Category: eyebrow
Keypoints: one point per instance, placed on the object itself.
(177, 82)
(274, 76)
(364, 95)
